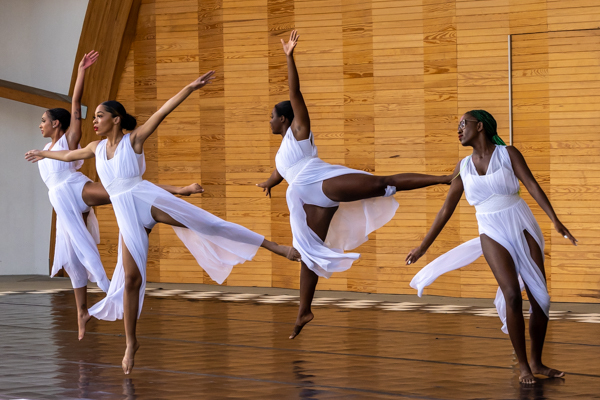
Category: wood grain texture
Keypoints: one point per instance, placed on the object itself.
(386, 82)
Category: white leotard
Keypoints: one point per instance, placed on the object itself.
(503, 216)
(216, 244)
(304, 171)
(75, 247)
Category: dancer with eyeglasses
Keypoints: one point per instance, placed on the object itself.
(332, 208)
(510, 238)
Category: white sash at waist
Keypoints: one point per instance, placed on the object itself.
(121, 185)
(497, 202)
(58, 177)
(292, 172)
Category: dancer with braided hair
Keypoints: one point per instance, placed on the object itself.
(332, 208)
(510, 238)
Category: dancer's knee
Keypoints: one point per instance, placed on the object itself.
(133, 282)
(513, 299)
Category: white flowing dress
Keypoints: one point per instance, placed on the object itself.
(216, 244)
(503, 216)
(75, 247)
(299, 164)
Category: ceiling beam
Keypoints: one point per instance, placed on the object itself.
(34, 96)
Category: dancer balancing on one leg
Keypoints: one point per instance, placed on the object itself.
(332, 208)
(72, 195)
(510, 237)
(216, 244)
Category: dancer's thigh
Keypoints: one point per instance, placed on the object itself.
(132, 272)
(502, 266)
(353, 187)
(94, 194)
(163, 217)
(319, 218)
(538, 258)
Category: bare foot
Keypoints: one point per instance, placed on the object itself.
(128, 359)
(300, 322)
(82, 320)
(191, 189)
(527, 378)
(541, 369)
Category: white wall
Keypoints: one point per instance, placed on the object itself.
(38, 43)
(25, 211)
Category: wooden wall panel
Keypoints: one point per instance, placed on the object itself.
(386, 83)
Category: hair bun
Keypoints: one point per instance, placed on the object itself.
(128, 122)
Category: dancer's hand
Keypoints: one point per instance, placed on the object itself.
(288, 48)
(33, 156)
(88, 59)
(265, 187)
(414, 255)
(560, 228)
(203, 80)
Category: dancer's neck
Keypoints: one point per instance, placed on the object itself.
(114, 137)
(482, 147)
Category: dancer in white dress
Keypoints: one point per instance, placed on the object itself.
(72, 196)
(216, 244)
(510, 238)
(332, 208)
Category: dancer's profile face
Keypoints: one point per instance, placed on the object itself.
(103, 121)
(276, 122)
(46, 125)
(467, 129)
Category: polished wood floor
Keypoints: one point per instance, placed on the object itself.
(205, 347)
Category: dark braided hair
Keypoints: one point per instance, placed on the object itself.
(284, 109)
(489, 124)
(128, 122)
(61, 115)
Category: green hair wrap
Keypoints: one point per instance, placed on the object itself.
(489, 124)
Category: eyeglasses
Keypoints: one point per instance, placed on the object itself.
(462, 124)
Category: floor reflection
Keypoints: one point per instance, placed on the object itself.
(214, 349)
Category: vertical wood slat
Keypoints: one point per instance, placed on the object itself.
(385, 82)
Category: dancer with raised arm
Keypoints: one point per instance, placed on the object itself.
(72, 196)
(510, 237)
(216, 244)
(332, 208)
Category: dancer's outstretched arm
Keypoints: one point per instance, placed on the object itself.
(274, 180)
(74, 131)
(88, 151)
(301, 123)
(524, 174)
(452, 199)
(140, 134)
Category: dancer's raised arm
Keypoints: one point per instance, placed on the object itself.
(524, 174)
(301, 123)
(74, 132)
(452, 199)
(88, 151)
(140, 134)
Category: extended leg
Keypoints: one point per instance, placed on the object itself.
(503, 267)
(131, 305)
(94, 194)
(353, 187)
(318, 219)
(284, 251)
(538, 321)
